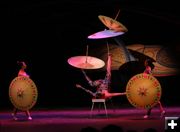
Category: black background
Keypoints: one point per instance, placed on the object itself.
(46, 33)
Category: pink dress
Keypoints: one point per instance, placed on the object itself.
(22, 73)
(148, 70)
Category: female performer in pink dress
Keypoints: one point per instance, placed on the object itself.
(148, 70)
(22, 72)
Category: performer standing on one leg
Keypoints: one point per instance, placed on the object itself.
(149, 66)
(22, 72)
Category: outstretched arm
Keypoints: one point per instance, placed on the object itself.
(87, 78)
(86, 90)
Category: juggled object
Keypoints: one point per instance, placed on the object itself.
(112, 24)
(105, 34)
(86, 62)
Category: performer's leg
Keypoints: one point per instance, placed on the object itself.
(161, 109)
(28, 115)
(86, 90)
(14, 113)
(108, 95)
(160, 105)
(148, 113)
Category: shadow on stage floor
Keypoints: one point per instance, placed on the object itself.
(74, 119)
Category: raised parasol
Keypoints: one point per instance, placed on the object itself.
(112, 24)
(23, 93)
(143, 91)
(86, 62)
(105, 34)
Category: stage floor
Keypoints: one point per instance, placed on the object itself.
(74, 119)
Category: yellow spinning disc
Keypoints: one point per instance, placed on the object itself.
(23, 93)
(112, 24)
(143, 91)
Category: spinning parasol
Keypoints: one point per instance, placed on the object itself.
(143, 91)
(23, 93)
(115, 28)
(112, 24)
(86, 62)
(105, 34)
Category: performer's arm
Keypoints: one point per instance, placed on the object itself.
(149, 70)
(86, 90)
(87, 78)
(108, 67)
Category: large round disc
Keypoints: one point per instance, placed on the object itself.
(23, 93)
(143, 91)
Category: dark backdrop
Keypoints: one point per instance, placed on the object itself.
(46, 33)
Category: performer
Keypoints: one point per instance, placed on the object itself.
(149, 66)
(102, 85)
(21, 72)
